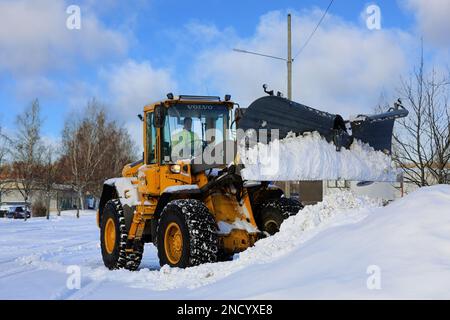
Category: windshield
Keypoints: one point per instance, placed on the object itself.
(190, 128)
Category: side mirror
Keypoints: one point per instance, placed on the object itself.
(238, 114)
(159, 116)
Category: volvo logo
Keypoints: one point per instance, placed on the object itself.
(199, 107)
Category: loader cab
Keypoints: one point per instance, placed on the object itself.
(178, 132)
(181, 129)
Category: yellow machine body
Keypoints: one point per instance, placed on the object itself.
(150, 181)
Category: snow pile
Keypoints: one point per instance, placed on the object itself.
(311, 157)
(401, 251)
(336, 209)
(328, 251)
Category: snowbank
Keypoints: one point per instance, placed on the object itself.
(311, 157)
(406, 244)
(324, 252)
(336, 209)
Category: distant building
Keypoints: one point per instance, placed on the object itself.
(62, 198)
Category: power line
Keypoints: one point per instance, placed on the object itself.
(315, 29)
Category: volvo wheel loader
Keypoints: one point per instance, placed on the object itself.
(199, 211)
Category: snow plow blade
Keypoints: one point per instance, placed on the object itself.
(315, 145)
(272, 112)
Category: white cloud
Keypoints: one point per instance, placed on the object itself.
(35, 86)
(201, 32)
(124, 89)
(433, 19)
(344, 68)
(34, 37)
(132, 85)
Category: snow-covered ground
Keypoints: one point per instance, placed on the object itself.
(324, 252)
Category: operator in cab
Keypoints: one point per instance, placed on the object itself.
(186, 143)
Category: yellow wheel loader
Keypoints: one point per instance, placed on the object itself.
(199, 211)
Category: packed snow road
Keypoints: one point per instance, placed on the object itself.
(324, 252)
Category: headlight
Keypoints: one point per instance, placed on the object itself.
(176, 168)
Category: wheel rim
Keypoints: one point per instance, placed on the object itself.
(173, 243)
(271, 226)
(110, 235)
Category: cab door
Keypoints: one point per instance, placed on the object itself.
(149, 174)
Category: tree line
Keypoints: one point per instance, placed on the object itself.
(93, 148)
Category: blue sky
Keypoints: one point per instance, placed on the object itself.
(132, 52)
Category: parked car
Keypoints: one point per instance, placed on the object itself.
(4, 209)
(18, 212)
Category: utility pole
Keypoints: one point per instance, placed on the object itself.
(289, 60)
(287, 184)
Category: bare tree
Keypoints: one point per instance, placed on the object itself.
(4, 148)
(121, 151)
(421, 140)
(438, 129)
(93, 147)
(26, 150)
(48, 176)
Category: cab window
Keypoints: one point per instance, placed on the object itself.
(151, 140)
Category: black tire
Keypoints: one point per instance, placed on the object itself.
(118, 258)
(273, 212)
(198, 233)
(223, 257)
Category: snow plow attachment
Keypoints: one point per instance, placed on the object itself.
(286, 116)
(360, 151)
